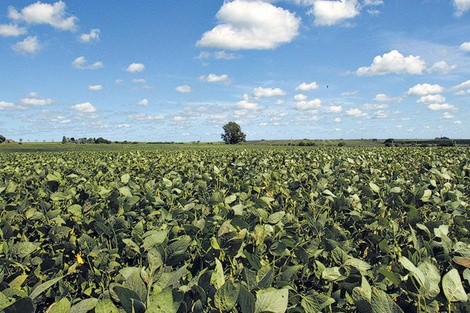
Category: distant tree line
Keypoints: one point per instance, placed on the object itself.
(84, 140)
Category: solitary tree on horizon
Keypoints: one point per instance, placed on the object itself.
(233, 133)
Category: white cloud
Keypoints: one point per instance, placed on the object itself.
(441, 67)
(432, 99)
(300, 97)
(4, 105)
(373, 2)
(12, 30)
(261, 92)
(85, 107)
(458, 122)
(30, 45)
(464, 85)
(184, 89)
(44, 13)
(81, 63)
(447, 115)
(439, 107)
(461, 6)
(143, 117)
(94, 35)
(135, 67)
(95, 87)
(334, 109)
(139, 81)
(393, 62)
(143, 102)
(356, 112)
(424, 89)
(328, 12)
(308, 105)
(218, 55)
(251, 25)
(384, 98)
(35, 100)
(213, 78)
(337, 120)
(465, 46)
(247, 105)
(307, 87)
(372, 106)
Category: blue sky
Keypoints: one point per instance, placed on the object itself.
(179, 70)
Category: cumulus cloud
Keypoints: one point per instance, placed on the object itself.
(45, 13)
(12, 30)
(439, 107)
(135, 67)
(461, 6)
(213, 78)
(465, 46)
(384, 98)
(373, 106)
(261, 92)
(334, 109)
(184, 89)
(300, 97)
(441, 67)
(310, 105)
(355, 112)
(143, 102)
(30, 45)
(82, 64)
(447, 115)
(85, 107)
(251, 25)
(393, 62)
(93, 35)
(95, 87)
(139, 81)
(33, 99)
(424, 89)
(4, 105)
(307, 87)
(329, 13)
(248, 105)
(432, 99)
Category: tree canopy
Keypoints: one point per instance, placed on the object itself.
(233, 133)
(2, 139)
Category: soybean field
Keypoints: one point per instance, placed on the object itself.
(285, 229)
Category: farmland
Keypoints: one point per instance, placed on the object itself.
(201, 228)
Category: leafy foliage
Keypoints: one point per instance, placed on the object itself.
(236, 230)
(233, 133)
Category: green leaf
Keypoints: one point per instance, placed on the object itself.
(431, 272)
(374, 187)
(162, 302)
(125, 191)
(84, 306)
(106, 305)
(382, 303)
(272, 300)
(125, 178)
(43, 287)
(75, 209)
(153, 238)
(63, 306)
(415, 272)
(18, 281)
(23, 249)
(128, 298)
(360, 265)
(333, 274)
(225, 298)
(362, 296)
(21, 305)
(217, 277)
(452, 287)
(246, 300)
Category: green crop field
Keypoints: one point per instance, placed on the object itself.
(216, 228)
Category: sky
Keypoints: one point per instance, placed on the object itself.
(178, 70)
